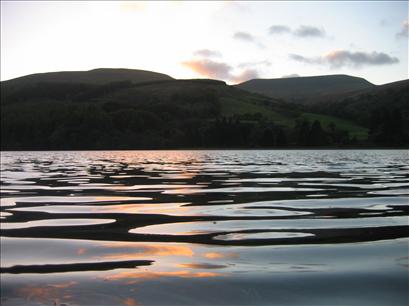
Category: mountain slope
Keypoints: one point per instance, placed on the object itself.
(306, 90)
(95, 76)
(359, 106)
(159, 114)
(75, 80)
(383, 109)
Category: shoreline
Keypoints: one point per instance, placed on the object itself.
(218, 149)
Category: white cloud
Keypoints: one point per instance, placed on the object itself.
(404, 32)
(220, 70)
(341, 58)
(309, 31)
(279, 29)
(244, 36)
(207, 53)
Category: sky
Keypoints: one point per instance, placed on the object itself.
(232, 41)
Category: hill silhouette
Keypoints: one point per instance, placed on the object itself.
(358, 105)
(42, 112)
(383, 109)
(307, 90)
(94, 76)
(72, 79)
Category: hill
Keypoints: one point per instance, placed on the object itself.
(383, 109)
(359, 105)
(94, 76)
(307, 90)
(74, 79)
(164, 113)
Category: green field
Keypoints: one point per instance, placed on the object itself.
(361, 133)
(231, 106)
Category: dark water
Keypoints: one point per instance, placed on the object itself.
(205, 228)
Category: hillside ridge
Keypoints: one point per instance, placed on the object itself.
(93, 76)
(307, 89)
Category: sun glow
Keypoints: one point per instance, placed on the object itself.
(43, 36)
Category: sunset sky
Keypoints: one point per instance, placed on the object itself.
(231, 41)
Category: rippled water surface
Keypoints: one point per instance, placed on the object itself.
(205, 228)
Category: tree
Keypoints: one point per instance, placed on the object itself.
(317, 136)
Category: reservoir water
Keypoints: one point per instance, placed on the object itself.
(251, 227)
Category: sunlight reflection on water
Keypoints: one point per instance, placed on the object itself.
(242, 222)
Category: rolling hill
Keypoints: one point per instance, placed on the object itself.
(94, 76)
(73, 80)
(307, 90)
(383, 109)
(359, 105)
(156, 111)
(154, 114)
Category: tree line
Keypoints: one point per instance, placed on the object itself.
(78, 116)
(48, 125)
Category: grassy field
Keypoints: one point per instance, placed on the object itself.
(237, 107)
(361, 133)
